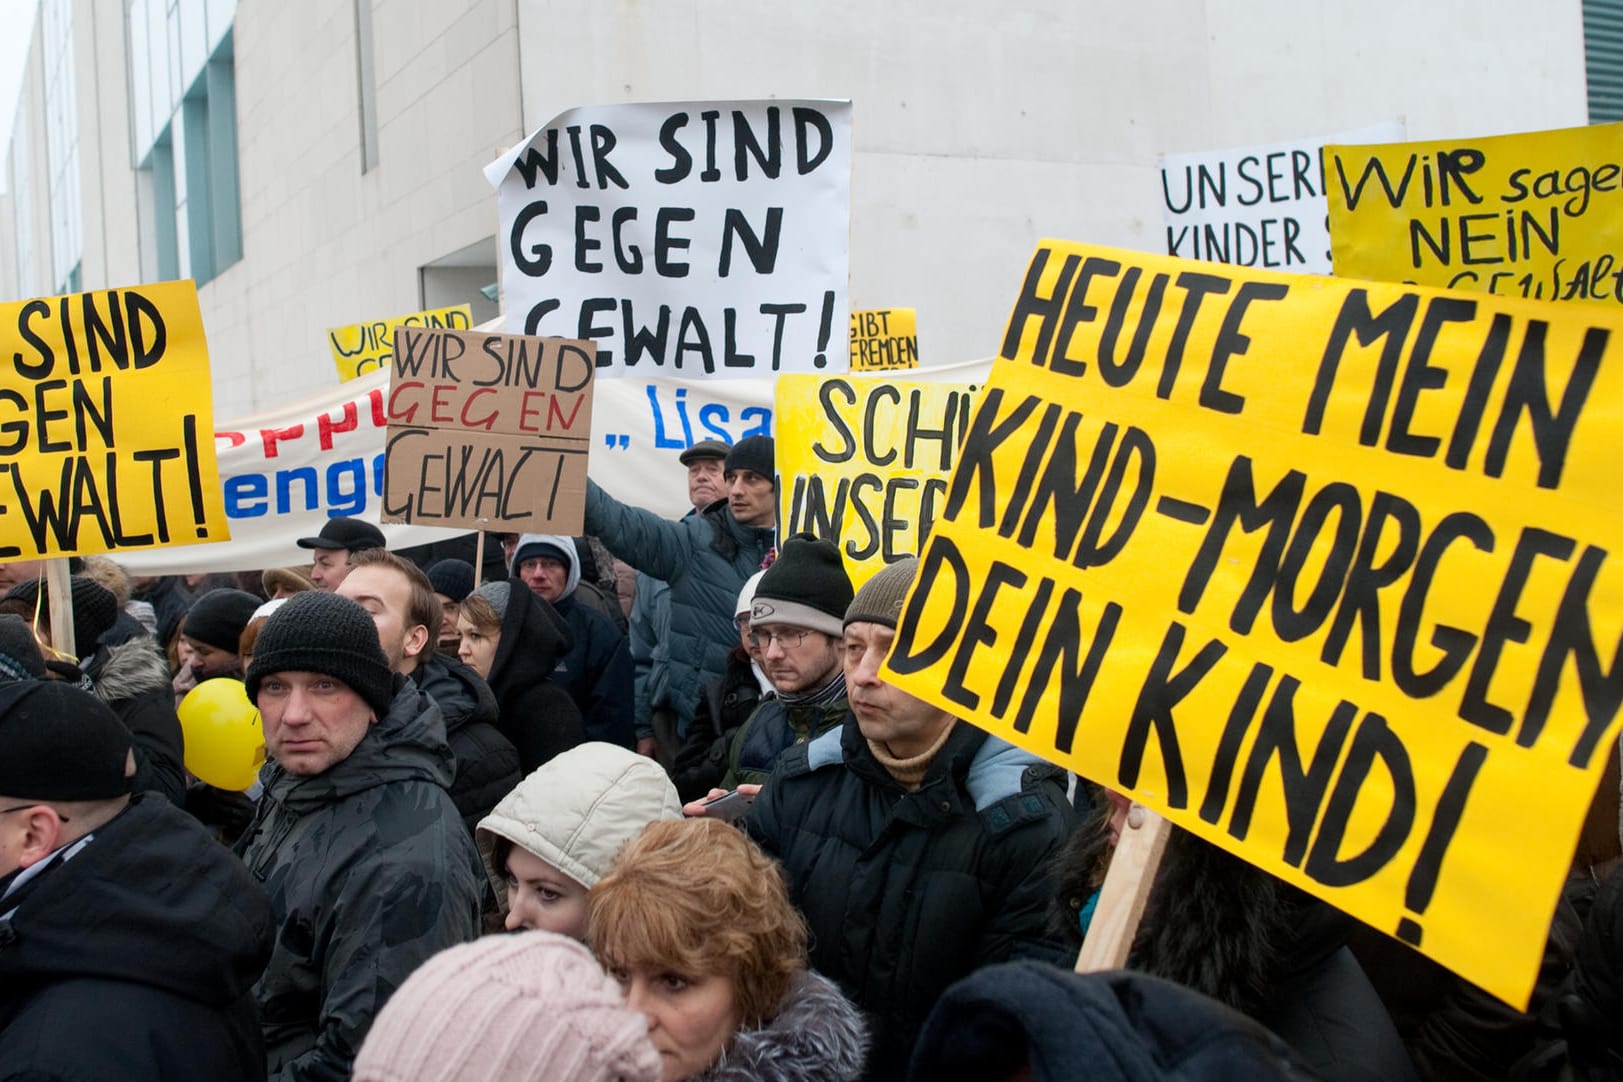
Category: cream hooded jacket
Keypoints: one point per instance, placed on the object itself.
(577, 810)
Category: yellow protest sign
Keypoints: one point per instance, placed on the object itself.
(865, 459)
(106, 424)
(365, 347)
(883, 339)
(1318, 568)
(1534, 215)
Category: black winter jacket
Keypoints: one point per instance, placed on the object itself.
(723, 708)
(132, 677)
(486, 761)
(369, 872)
(133, 960)
(1104, 1027)
(537, 715)
(905, 892)
(597, 673)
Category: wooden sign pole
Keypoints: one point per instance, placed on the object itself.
(478, 558)
(59, 581)
(1126, 891)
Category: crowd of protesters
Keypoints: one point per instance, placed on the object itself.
(535, 828)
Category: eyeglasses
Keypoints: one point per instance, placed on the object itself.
(789, 638)
(25, 807)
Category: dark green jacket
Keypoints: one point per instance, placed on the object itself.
(705, 559)
(369, 871)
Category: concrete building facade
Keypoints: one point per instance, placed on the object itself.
(313, 164)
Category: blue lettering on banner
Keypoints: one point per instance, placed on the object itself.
(714, 416)
(343, 484)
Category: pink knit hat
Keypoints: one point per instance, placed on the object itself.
(524, 1006)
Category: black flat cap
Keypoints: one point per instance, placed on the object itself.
(346, 533)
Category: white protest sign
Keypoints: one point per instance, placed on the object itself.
(286, 471)
(700, 239)
(1261, 206)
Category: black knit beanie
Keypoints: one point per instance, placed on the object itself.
(324, 633)
(60, 743)
(20, 656)
(94, 609)
(756, 453)
(453, 578)
(218, 617)
(880, 599)
(805, 587)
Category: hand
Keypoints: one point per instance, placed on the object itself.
(646, 746)
(695, 808)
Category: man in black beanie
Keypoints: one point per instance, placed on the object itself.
(369, 868)
(117, 957)
(795, 621)
(704, 559)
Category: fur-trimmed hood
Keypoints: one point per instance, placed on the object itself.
(818, 1036)
(131, 668)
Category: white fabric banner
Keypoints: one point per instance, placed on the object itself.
(1260, 206)
(286, 471)
(703, 238)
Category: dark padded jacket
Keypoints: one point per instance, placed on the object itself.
(370, 872)
(726, 704)
(537, 715)
(705, 559)
(1104, 1027)
(134, 959)
(772, 729)
(904, 893)
(132, 677)
(486, 761)
(597, 673)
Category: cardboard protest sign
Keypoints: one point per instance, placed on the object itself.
(1534, 215)
(1317, 568)
(685, 238)
(106, 413)
(865, 459)
(366, 347)
(1261, 206)
(883, 339)
(488, 431)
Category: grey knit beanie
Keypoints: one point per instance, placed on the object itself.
(880, 599)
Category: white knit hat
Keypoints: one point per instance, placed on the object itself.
(531, 1005)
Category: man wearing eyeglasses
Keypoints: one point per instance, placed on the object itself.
(796, 623)
(129, 938)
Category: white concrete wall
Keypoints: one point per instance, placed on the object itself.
(980, 128)
(323, 243)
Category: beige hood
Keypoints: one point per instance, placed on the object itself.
(576, 811)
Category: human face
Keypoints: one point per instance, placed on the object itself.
(312, 721)
(478, 649)
(886, 714)
(752, 498)
(706, 484)
(691, 1017)
(448, 611)
(386, 595)
(509, 543)
(540, 897)
(21, 571)
(545, 576)
(804, 666)
(742, 622)
(208, 661)
(329, 569)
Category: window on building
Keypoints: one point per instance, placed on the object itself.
(1603, 58)
(368, 85)
(189, 182)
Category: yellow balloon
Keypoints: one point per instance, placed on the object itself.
(225, 742)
